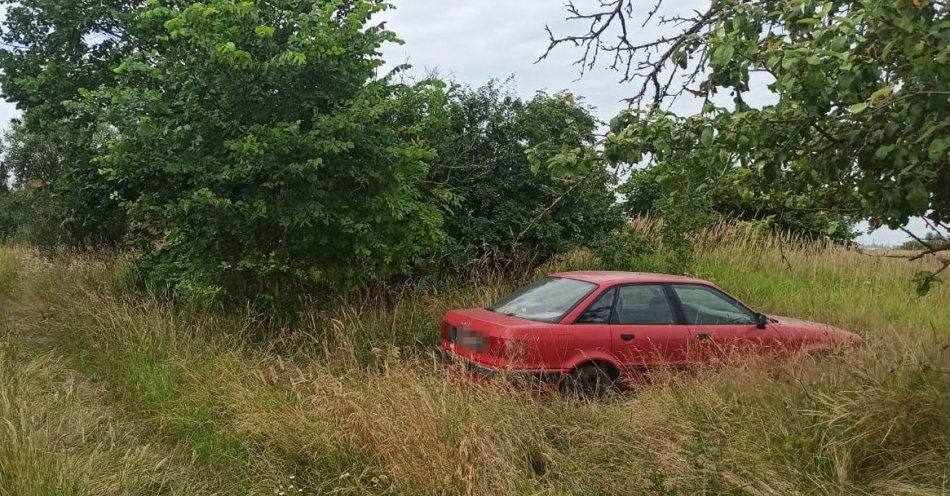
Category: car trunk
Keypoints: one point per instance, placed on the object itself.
(489, 338)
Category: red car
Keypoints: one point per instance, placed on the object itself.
(584, 330)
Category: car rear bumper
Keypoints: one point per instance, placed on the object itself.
(517, 375)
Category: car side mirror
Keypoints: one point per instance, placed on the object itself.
(761, 320)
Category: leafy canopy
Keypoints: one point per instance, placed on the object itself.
(501, 203)
(250, 145)
(253, 147)
(862, 121)
(644, 194)
(49, 51)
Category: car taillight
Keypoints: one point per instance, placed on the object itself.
(450, 332)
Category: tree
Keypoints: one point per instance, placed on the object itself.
(69, 200)
(499, 204)
(863, 111)
(643, 194)
(49, 51)
(5, 177)
(7, 221)
(53, 48)
(931, 240)
(254, 148)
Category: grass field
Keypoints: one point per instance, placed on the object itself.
(104, 392)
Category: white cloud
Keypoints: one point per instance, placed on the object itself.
(8, 112)
(474, 41)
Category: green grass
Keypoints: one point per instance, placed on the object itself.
(126, 394)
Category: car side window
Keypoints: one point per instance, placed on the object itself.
(706, 306)
(600, 310)
(644, 305)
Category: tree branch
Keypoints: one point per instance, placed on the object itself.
(655, 56)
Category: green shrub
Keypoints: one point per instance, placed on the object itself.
(502, 209)
(57, 197)
(34, 217)
(646, 193)
(627, 250)
(277, 158)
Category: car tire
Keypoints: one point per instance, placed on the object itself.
(588, 382)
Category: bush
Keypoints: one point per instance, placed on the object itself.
(276, 159)
(9, 216)
(58, 198)
(646, 192)
(34, 217)
(931, 241)
(501, 208)
(629, 249)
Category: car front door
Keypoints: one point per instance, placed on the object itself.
(646, 329)
(590, 335)
(721, 327)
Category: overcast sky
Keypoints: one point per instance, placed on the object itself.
(473, 41)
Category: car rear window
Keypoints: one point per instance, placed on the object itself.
(547, 300)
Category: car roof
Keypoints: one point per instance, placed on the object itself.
(603, 277)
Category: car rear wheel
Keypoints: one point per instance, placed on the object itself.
(589, 381)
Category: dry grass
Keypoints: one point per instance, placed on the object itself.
(60, 436)
(128, 396)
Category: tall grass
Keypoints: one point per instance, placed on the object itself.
(132, 395)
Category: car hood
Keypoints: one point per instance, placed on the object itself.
(805, 324)
(818, 330)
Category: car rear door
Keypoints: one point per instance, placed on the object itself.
(646, 329)
(721, 328)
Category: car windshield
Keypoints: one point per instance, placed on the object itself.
(547, 300)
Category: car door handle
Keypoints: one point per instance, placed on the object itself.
(627, 337)
(703, 337)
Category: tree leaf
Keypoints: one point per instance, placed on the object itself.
(918, 198)
(881, 93)
(728, 52)
(925, 281)
(938, 149)
(857, 108)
